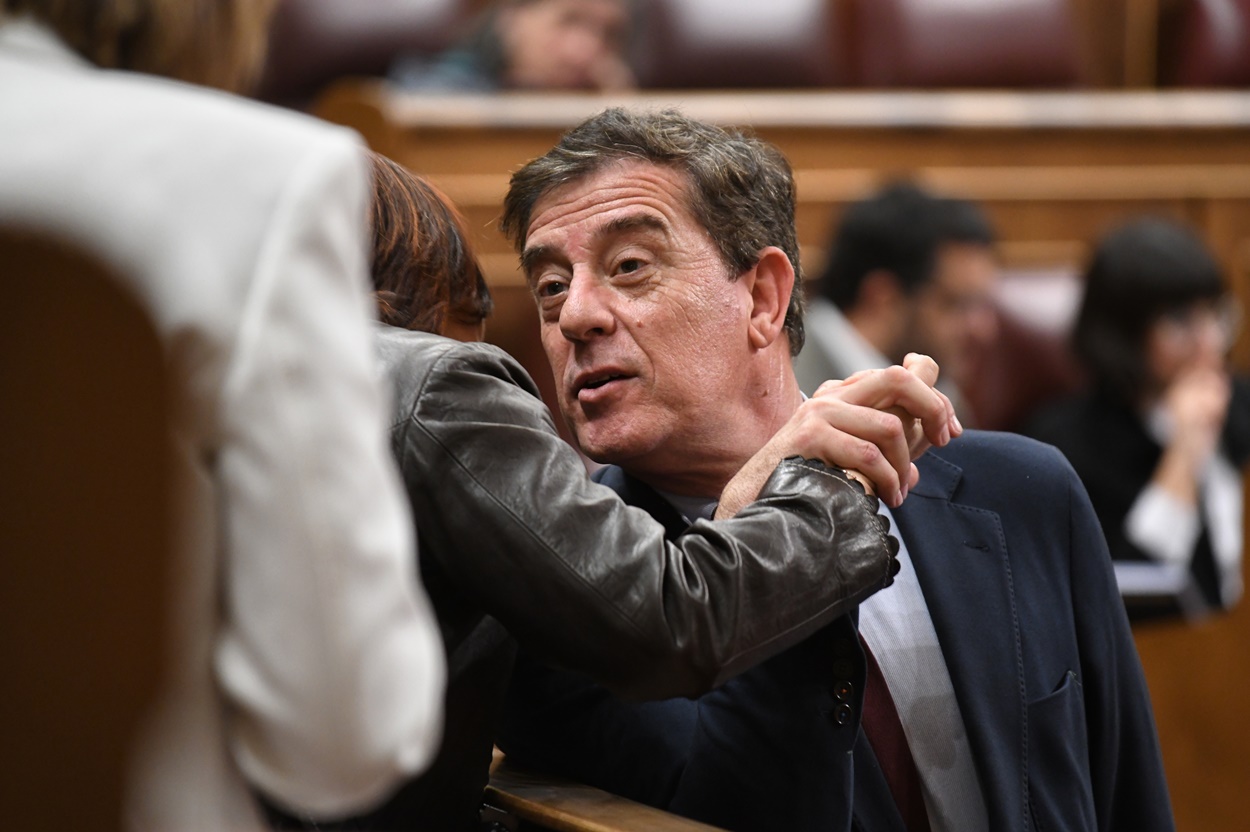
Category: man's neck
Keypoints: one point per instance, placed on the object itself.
(703, 472)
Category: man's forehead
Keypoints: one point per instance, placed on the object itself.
(622, 180)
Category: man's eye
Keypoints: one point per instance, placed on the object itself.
(628, 266)
(550, 288)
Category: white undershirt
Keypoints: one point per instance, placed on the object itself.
(896, 624)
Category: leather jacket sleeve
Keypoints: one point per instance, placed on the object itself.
(583, 581)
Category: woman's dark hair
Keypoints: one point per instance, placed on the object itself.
(424, 272)
(1139, 271)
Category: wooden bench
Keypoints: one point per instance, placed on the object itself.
(523, 800)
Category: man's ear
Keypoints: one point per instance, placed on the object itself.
(771, 283)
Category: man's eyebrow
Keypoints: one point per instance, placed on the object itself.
(634, 222)
(532, 256)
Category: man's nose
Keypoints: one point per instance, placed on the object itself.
(587, 309)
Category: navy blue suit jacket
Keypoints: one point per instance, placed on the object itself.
(1019, 585)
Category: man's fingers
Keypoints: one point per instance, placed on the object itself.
(927, 370)
(829, 385)
(922, 367)
(897, 387)
(862, 438)
(924, 434)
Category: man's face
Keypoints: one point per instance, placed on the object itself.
(567, 44)
(953, 316)
(646, 334)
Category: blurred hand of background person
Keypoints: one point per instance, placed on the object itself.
(1185, 354)
(1195, 405)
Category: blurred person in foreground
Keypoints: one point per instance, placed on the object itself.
(908, 271)
(518, 545)
(663, 257)
(304, 658)
(1162, 436)
(532, 45)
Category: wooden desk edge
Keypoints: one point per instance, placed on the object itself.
(564, 806)
(815, 108)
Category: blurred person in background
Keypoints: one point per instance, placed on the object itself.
(1162, 436)
(532, 45)
(304, 657)
(908, 272)
(518, 545)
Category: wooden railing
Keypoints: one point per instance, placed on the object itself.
(531, 801)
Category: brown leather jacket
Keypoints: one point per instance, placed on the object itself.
(516, 542)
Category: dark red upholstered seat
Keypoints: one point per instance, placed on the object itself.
(314, 42)
(964, 43)
(738, 43)
(1206, 43)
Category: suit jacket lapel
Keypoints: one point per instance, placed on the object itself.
(959, 553)
(640, 495)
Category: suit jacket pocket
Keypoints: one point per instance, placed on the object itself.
(1060, 796)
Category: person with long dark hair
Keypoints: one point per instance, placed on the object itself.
(1161, 436)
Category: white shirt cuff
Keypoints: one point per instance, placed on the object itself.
(1163, 527)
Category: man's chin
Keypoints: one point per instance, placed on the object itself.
(604, 447)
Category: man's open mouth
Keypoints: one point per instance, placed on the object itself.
(599, 382)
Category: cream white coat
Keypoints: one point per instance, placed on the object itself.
(305, 657)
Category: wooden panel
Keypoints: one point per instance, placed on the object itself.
(1198, 676)
(85, 485)
(561, 806)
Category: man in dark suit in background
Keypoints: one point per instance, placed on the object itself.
(662, 255)
(908, 271)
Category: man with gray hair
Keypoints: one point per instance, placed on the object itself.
(661, 253)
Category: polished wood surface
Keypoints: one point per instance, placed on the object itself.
(85, 535)
(561, 806)
(1198, 676)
